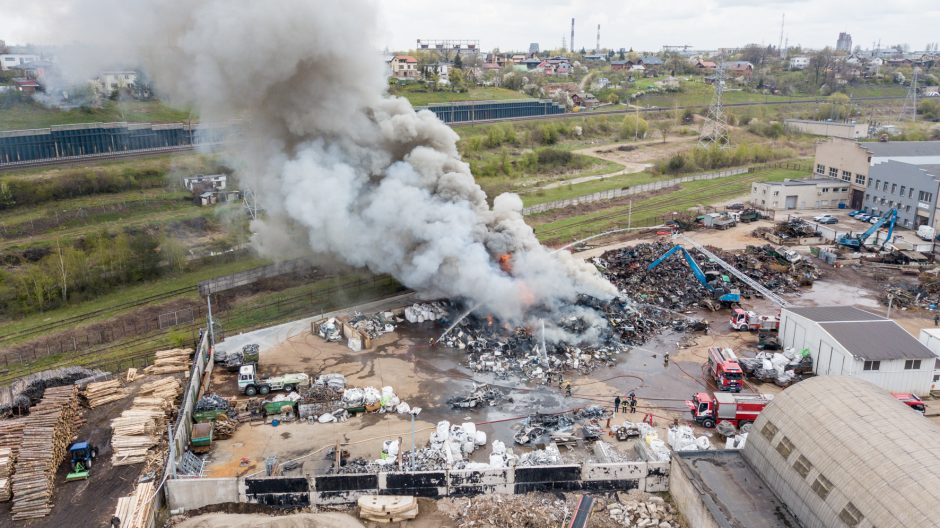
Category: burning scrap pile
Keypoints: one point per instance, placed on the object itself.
(782, 369)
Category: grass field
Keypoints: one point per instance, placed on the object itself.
(650, 211)
(582, 189)
(419, 96)
(25, 116)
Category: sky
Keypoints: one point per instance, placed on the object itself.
(642, 25)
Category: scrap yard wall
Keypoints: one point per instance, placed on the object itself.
(322, 490)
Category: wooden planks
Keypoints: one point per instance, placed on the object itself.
(136, 509)
(46, 436)
(102, 392)
(141, 427)
(171, 361)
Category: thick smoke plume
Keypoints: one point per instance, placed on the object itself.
(340, 168)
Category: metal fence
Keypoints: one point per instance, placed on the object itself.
(629, 191)
(244, 278)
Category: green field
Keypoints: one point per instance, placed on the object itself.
(25, 116)
(583, 189)
(650, 211)
(418, 95)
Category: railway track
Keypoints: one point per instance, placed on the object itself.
(186, 148)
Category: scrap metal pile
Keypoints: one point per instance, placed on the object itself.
(793, 228)
(782, 369)
(906, 295)
(374, 325)
(480, 396)
(214, 402)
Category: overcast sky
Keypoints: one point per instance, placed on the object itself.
(642, 25)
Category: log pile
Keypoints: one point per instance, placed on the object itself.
(132, 375)
(48, 432)
(171, 361)
(140, 427)
(6, 471)
(136, 509)
(102, 392)
(224, 427)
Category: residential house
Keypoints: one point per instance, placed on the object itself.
(799, 63)
(532, 63)
(620, 65)
(706, 65)
(585, 100)
(109, 81)
(595, 58)
(601, 83)
(404, 67)
(442, 70)
(8, 61)
(742, 69)
(518, 58)
(27, 86)
(555, 66)
(651, 63)
(205, 182)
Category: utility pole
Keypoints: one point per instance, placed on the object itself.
(783, 19)
(572, 35)
(597, 46)
(630, 214)
(715, 128)
(910, 104)
(211, 322)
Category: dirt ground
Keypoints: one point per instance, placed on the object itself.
(637, 157)
(298, 520)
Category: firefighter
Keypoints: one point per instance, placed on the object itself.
(566, 385)
(936, 318)
(666, 359)
(632, 402)
(616, 403)
(626, 405)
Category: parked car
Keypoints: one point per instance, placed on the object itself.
(821, 218)
(735, 206)
(856, 212)
(864, 217)
(829, 220)
(874, 220)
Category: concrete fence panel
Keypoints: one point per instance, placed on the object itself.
(464, 482)
(344, 489)
(278, 491)
(418, 483)
(190, 494)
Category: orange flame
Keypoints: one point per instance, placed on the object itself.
(505, 262)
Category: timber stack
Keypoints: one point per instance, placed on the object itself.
(171, 361)
(102, 392)
(140, 427)
(6, 471)
(49, 430)
(136, 509)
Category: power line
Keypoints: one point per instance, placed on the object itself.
(715, 129)
(910, 103)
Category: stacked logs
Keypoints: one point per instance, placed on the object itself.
(141, 427)
(171, 361)
(136, 509)
(6, 471)
(48, 432)
(102, 392)
(224, 427)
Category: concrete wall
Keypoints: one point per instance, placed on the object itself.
(652, 477)
(190, 494)
(689, 499)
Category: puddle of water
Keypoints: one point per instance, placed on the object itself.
(827, 293)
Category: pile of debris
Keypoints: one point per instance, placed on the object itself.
(682, 438)
(642, 510)
(792, 228)
(214, 402)
(781, 368)
(537, 426)
(508, 511)
(330, 330)
(482, 395)
(549, 456)
(236, 358)
(905, 295)
(375, 325)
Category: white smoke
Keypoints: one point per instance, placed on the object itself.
(341, 168)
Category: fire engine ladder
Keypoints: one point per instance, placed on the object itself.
(758, 287)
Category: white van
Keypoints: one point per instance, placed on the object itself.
(926, 232)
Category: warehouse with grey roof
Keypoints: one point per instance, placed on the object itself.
(841, 452)
(848, 341)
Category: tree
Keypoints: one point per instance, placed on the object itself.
(7, 199)
(622, 55)
(457, 82)
(633, 127)
(174, 253)
(664, 126)
(458, 62)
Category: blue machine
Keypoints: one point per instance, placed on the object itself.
(720, 292)
(857, 241)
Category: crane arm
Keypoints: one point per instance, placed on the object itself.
(697, 271)
(891, 217)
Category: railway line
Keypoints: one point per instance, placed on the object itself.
(569, 115)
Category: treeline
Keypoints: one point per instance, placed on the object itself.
(72, 272)
(711, 158)
(25, 192)
(541, 160)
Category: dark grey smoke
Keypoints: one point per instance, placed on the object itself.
(341, 168)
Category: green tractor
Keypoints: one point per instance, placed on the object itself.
(83, 455)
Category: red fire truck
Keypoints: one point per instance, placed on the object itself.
(738, 409)
(748, 320)
(911, 401)
(723, 367)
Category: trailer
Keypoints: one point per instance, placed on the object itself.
(740, 410)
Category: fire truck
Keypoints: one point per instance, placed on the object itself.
(911, 401)
(738, 409)
(724, 369)
(748, 320)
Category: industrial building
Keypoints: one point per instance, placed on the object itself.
(851, 161)
(848, 341)
(840, 452)
(840, 129)
(816, 193)
(911, 189)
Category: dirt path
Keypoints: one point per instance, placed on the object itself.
(299, 520)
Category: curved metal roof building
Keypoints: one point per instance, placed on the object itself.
(841, 452)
